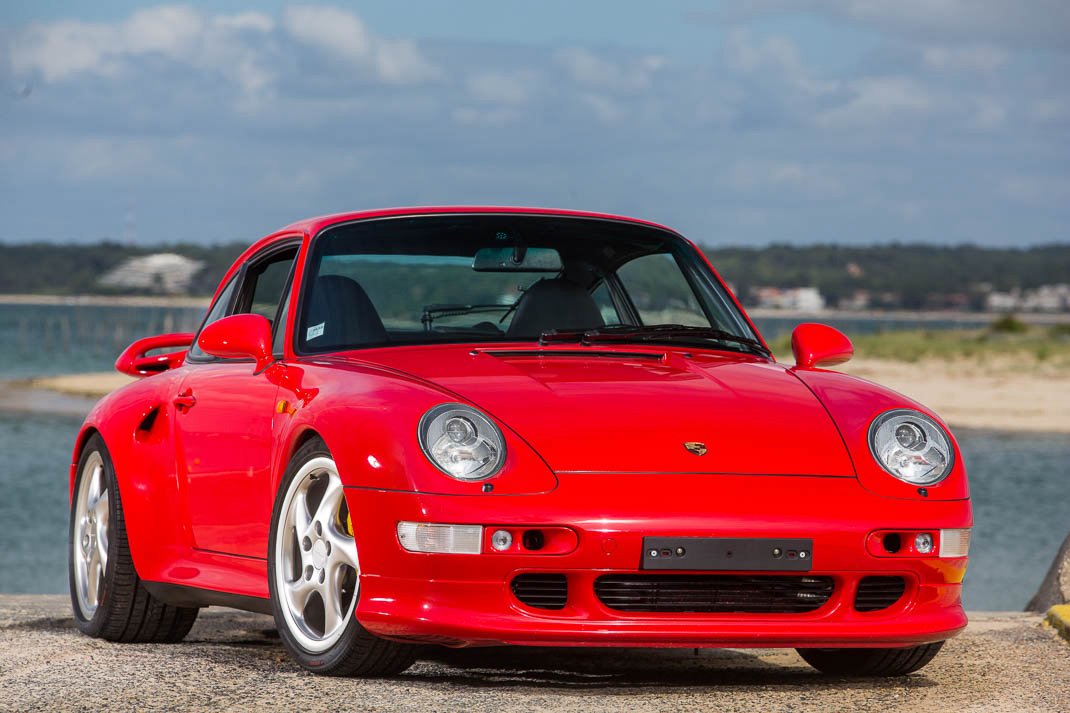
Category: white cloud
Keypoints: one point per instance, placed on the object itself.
(511, 88)
(1004, 22)
(1037, 190)
(748, 55)
(246, 21)
(878, 101)
(588, 68)
(608, 110)
(62, 50)
(491, 117)
(975, 58)
(345, 36)
(762, 175)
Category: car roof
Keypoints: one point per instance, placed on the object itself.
(311, 226)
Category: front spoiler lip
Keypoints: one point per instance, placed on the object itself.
(445, 619)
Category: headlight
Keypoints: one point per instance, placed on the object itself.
(462, 442)
(911, 446)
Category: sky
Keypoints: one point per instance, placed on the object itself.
(747, 122)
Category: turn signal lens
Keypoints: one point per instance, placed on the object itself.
(439, 538)
(954, 543)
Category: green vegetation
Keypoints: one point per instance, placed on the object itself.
(49, 269)
(993, 345)
(896, 276)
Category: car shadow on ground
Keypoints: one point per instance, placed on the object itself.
(568, 668)
(624, 669)
(226, 637)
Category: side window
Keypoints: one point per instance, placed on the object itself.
(660, 292)
(265, 284)
(604, 299)
(262, 290)
(278, 343)
(217, 312)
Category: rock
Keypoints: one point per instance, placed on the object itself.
(1055, 589)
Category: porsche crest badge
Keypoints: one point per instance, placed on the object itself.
(695, 447)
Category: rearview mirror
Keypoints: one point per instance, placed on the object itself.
(239, 336)
(820, 345)
(517, 259)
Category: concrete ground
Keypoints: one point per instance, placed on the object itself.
(234, 661)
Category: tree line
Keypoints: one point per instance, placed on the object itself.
(896, 275)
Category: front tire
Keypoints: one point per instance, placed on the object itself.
(108, 598)
(314, 575)
(871, 662)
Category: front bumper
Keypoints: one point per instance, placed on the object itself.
(466, 600)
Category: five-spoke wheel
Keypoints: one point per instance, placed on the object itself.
(315, 574)
(90, 538)
(316, 557)
(108, 598)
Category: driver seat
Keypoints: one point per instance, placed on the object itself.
(342, 314)
(554, 304)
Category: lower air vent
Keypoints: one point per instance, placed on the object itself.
(541, 591)
(876, 593)
(713, 593)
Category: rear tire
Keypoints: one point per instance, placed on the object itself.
(108, 598)
(871, 662)
(314, 575)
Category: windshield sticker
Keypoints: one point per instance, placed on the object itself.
(314, 331)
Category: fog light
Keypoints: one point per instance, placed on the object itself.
(923, 543)
(954, 543)
(501, 540)
(439, 538)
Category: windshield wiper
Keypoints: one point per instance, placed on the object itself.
(433, 312)
(625, 333)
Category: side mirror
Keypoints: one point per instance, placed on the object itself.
(238, 336)
(820, 345)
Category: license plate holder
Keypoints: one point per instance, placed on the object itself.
(749, 554)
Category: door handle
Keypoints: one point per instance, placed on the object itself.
(185, 401)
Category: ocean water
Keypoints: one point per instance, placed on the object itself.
(43, 340)
(1017, 480)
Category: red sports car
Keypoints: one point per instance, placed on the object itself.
(483, 426)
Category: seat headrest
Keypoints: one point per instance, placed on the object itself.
(554, 304)
(341, 314)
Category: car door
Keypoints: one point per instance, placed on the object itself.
(223, 423)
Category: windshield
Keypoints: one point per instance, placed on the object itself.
(500, 277)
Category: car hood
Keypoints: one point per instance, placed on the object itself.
(636, 411)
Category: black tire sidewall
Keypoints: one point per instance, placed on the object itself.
(324, 661)
(94, 625)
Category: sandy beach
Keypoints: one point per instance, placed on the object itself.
(1008, 396)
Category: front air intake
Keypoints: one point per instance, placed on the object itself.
(541, 591)
(713, 593)
(876, 593)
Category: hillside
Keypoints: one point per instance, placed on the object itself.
(893, 276)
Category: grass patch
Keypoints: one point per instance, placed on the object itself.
(999, 343)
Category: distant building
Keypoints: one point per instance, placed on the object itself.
(1046, 298)
(164, 273)
(800, 299)
(857, 301)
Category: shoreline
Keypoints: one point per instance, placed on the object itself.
(978, 318)
(967, 394)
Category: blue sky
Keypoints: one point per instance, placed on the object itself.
(746, 122)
